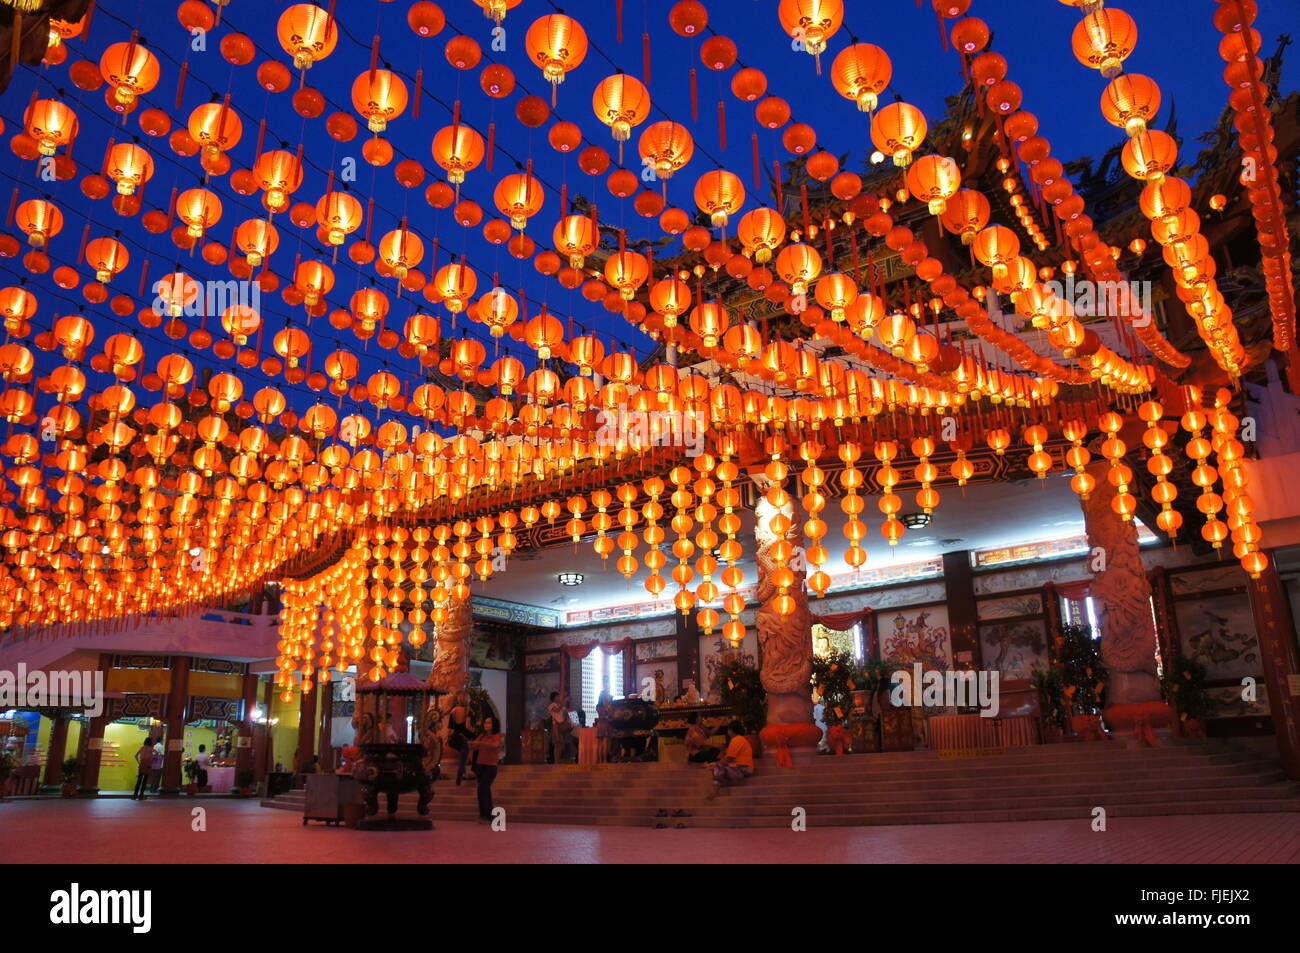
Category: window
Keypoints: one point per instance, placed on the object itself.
(600, 673)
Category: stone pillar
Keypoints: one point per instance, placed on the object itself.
(93, 740)
(244, 743)
(56, 754)
(326, 745)
(450, 672)
(1122, 596)
(688, 650)
(262, 762)
(785, 644)
(963, 616)
(307, 727)
(1278, 655)
(178, 698)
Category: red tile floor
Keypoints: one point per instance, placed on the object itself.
(154, 831)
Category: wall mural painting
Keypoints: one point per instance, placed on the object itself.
(491, 647)
(1228, 703)
(542, 662)
(1219, 632)
(662, 676)
(1014, 649)
(715, 651)
(915, 635)
(826, 641)
(656, 649)
(537, 694)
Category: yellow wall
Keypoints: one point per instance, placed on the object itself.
(117, 767)
(284, 737)
(196, 735)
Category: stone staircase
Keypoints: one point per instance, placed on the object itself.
(1043, 782)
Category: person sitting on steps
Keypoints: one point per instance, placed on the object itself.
(736, 764)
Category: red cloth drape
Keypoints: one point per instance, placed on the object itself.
(582, 651)
(843, 621)
(1074, 591)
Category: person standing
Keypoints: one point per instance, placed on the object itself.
(460, 734)
(203, 762)
(144, 768)
(156, 767)
(558, 710)
(487, 752)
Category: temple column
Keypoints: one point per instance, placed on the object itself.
(1278, 655)
(785, 641)
(306, 727)
(1122, 596)
(177, 698)
(262, 755)
(450, 672)
(326, 744)
(244, 743)
(93, 740)
(54, 757)
(963, 614)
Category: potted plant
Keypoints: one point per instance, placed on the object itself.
(70, 777)
(1084, 678)
(191, 770)
(1184, 689)
(741, 689)
(1051, 702)
(244, 782)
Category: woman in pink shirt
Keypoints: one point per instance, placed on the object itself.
(487, 747)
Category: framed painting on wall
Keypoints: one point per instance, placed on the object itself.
(1014, 649)
(542, 662)
(537, 694)
(907, 636)
(1219, 632)
(715, 651)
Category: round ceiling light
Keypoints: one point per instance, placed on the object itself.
(571, 578)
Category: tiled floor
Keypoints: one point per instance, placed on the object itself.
(160, 831)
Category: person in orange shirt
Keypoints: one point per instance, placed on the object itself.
(736, 764)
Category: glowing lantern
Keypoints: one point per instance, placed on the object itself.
(496, 9)
(129, 166)
(966, 213)
(107, 256)
(1149, 154)
(1103, 39)
(241, 322)
(670, 297)
(457, 149)
(278, 173)
(761, 231)
(369, 307)
(498, 310)
(519, 197)
(934, 180)
(627, 271)
(542, 333)
(199, 209)
(995, 246)
(861, 72)
(895, 332)
(1129, 101)
(339, 214)
(257, 238)
(621, 102)
(798, 265)
(401, 250)
(666, 147)
(558, 44)
(575, 237)
(709, 320)
(455, 284)
(40, 221)
(380, 96)
(898, 130)
(51, 124)
(216, 128)
(130, 69)
(314, 279)
(292, 344)
(835, 292)
(811, 23)
(307, 33)
(719, 193)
